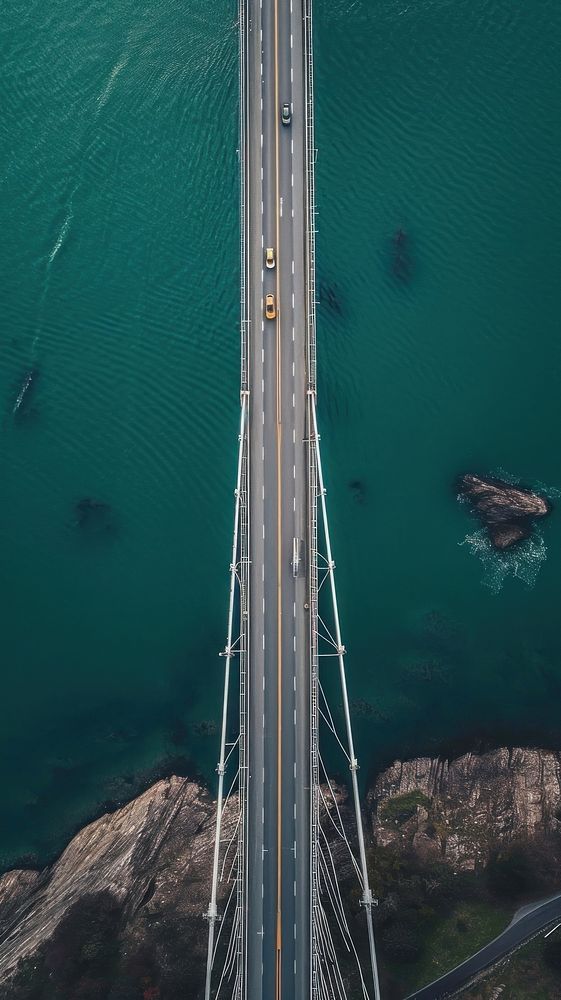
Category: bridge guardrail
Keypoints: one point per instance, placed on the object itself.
(310, 155)
(244, 262)
(314, 705)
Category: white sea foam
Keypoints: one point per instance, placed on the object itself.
(522, 561)
(63, 232)
(106, 92)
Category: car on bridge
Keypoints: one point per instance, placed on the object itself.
(286, 114)
(270, 257)
(270, 306)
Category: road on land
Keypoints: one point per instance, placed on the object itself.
(532, 921)
(278, 877)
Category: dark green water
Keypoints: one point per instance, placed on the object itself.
(118, 201)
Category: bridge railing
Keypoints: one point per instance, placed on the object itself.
(243, 570)
(314, 703)
(310, 156)
(244, 562)
(244, 261)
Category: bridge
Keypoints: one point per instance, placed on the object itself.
(276, 915)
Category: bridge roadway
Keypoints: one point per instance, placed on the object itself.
(278, 870)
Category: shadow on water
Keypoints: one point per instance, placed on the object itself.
(358, 491)
(330, 297)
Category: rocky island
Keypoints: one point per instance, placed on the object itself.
(506, 510)
(120, 914)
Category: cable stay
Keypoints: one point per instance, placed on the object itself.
(326, 641)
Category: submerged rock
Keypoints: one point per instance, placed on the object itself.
(93, 516)
(507, 511)
(401, 256)
(505, 535)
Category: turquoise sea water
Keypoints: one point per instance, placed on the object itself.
(119, 277)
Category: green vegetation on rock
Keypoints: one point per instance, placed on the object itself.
(400, 808)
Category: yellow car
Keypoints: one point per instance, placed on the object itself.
(270, 306)
(270, 256)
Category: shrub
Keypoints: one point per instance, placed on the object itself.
(403, 807)
(552, 953)
(400, 942)
(510, 873)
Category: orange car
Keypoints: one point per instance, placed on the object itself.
(270, 306)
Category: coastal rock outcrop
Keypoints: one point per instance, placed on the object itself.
(507, 511)
(153, 858)
(459, 811)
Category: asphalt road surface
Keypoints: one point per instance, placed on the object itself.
(278, 897)
(533, 920)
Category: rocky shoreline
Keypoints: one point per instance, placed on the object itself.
(152, 858)
(459, 811)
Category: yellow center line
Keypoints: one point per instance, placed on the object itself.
(279, 538)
